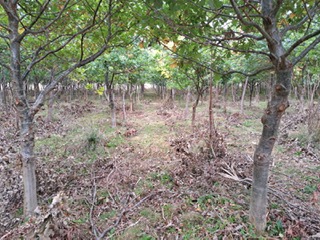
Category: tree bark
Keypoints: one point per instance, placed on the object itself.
(211, 118)
(271, 117)
(110, 97)
(262, 156)
(28, 162)
(124, 112)
(26, 118)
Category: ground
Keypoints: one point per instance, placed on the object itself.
(154, 177)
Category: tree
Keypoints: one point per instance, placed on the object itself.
(240, 27)
(34, 32)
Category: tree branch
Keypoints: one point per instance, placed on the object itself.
(41, 97)
(305, 51)
(250, 23)
(28, 30)
(250, 74)
(72, 37)
(309, 16)
(301, 40)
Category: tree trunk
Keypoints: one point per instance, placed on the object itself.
(251, 88)
(186, 109)
(50, 106)
(131, 93)
(234, 93)
(1, 94)
(26, 118)
(225, 96)
(262, 156)
(257, 96)
(211, 119)
(28, 162)
(243, 94)
(113, 109)
(194, 110)
(124, 106)
(142, 90)
(270, 86)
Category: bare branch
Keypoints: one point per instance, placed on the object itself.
(306, 50)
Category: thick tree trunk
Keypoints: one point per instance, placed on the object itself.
(25, 117)
(28, 162)
(262, 156)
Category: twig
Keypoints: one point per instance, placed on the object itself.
(123, 212)
(93, 200)
(230, 172)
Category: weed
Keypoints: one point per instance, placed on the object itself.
(248, 123)
(309, 189)
(168, 211)
(142, 186)
(108, 215)
(166, 178)
(92, 141)
(19, 212)
(115, 141)
(275, 229)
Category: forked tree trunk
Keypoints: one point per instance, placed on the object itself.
(262, 156)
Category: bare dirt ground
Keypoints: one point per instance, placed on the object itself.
(154, 177)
